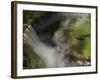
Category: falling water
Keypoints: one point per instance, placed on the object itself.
(48, 54)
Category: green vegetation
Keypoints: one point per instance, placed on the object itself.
(79, 36)
(31, 60)
(31, 15)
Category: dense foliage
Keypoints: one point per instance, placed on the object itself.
(79, 37)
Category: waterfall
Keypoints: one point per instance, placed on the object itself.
(58, 55)
(50, 55)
